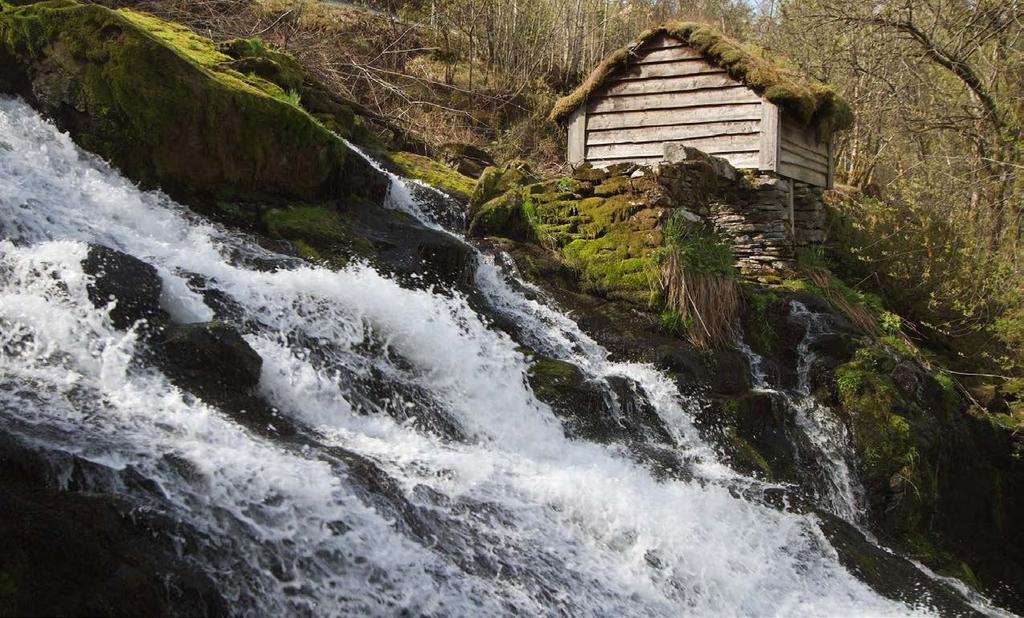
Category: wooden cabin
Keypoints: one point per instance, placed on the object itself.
(687, 84)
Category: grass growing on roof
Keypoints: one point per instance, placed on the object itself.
(815, 104)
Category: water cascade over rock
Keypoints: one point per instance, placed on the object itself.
(421, 474)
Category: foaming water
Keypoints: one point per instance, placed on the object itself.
(504, 514)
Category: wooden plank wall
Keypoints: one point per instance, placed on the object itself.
(801, 155)
(671, 94)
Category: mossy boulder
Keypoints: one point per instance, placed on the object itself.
(466, 159)
(433, 173)
(608, 411)
(172, 110)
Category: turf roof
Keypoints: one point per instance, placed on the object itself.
(811, 102)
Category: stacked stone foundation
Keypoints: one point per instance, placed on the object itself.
(766, 218)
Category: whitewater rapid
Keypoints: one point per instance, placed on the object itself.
(521, 518)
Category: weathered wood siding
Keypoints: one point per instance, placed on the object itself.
(669, 94)
(802, 156)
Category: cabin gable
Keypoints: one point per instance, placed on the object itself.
(669, 93)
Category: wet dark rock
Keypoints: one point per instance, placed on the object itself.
(447, 211)
(212, 361)
(730, 372)
(131, 284)
(765, 422)
(889, 574)
(211, 357)
(407, 248)
(72, 553)
(612, 410)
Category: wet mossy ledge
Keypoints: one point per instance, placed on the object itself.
(171, 109)
(623, 238)
(433, 173)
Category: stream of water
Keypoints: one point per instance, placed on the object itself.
(504, 514)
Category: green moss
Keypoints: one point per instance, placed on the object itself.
(747, 455)
(318, 233)
(869, 398)
(434, 174)
(306, 251)
(506, 215)
(757, 318)
(813, 103)
(614, 186)
(497, 180)
(165, 105)
(615, 266)
(548, 376)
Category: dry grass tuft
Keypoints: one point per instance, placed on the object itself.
(708, 304)
(860, 315)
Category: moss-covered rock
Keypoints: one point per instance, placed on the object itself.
(939, 481)
(607, 233)
(172, 110)
(433, 173)
(466, 159)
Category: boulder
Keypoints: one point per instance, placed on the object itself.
(129, 284)
(72, 549)
(210, 359)
(169, 109)
(467, 159)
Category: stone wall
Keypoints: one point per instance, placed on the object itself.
(766, 218)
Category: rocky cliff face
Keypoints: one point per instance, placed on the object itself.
(242, 134)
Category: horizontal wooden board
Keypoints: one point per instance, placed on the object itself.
(669, 53)
(672, 133)
(800, 173)
(796, 134)
(817, 163)
(682, 115)
(692, 98)
(669, 84)
(710, 145)
(638, 160)
(672, 68)
(821, 152)
(739, 160)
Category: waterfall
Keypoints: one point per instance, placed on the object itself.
(836, 485)
(369, 512)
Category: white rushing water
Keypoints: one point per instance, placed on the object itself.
(523, 518)
(837, 486)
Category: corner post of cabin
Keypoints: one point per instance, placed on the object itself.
(576, 152)
(831, 162)
(768, 156)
